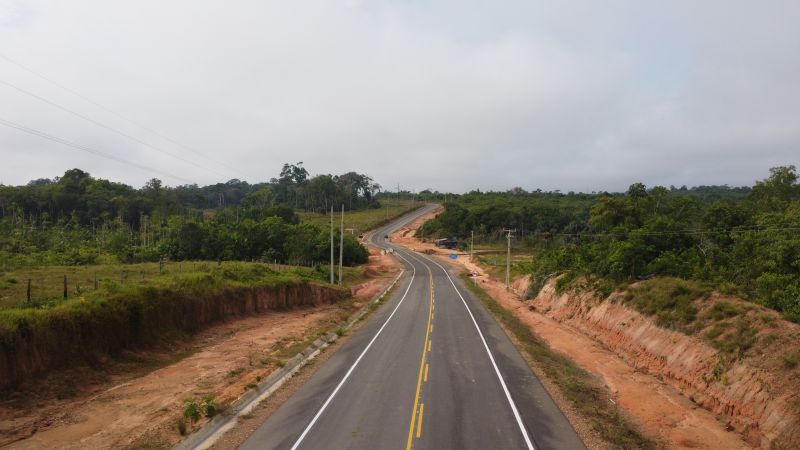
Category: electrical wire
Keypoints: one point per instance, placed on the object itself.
(744, 229)
(84, 148)
(119, 115)
(109, 128)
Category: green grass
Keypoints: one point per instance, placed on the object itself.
(493, 258)
(670, 300)
(364, 219)
(47, 283)
(87, 328)
(586, 394)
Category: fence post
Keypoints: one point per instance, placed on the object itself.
(29, 290)
(95, 281)
(65, 287)
(161, 266)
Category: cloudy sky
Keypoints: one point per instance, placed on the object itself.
(449, 95)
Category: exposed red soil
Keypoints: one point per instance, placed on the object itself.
(753, 395)
(125, 405)
(127, 409)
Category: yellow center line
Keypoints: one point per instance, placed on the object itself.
(419, 424)
(421, 371)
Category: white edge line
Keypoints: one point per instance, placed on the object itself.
(350, 371)
(211, 440)
(494, 364)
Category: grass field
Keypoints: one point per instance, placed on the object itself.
(493, 257)
(362, 220)
(47, 283)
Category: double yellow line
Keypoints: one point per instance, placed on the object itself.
(423, 371)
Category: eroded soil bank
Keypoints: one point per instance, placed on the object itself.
(754, 395)
(137, 402)
(669, 383)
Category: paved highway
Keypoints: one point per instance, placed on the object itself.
(431, 369)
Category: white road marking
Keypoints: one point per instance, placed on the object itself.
(350, 371)
(491, 358)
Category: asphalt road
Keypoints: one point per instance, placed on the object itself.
(431, 369)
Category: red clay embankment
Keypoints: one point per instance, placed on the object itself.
(754, 395)
(86, 331)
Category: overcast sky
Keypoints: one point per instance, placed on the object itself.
(449, 95)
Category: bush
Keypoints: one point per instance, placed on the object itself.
(194, 409)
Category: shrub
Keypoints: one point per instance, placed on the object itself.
(192, 410)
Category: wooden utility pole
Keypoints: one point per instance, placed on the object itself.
(471, 243)
(29, 290)
(65, 287)
(341, 246)
(332, 244)
(509, 233)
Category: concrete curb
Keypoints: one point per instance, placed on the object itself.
(209, 433)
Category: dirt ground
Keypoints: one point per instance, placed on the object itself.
(660, 410)
(128, 406)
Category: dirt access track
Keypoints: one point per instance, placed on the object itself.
(128, 405)
(657, 408)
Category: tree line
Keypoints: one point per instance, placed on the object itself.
(79, 219)
(744, 241)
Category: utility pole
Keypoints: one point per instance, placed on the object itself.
(332, 244)
(509, 232)
(341, 246)
(471, 244)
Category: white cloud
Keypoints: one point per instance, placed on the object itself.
(448, 95)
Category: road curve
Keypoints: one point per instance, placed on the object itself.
(431, 369)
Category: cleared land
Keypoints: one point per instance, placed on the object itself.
(364, 219)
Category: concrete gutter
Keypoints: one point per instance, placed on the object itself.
(209, 433)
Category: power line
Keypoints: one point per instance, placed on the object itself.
(743, 229)
(109, 128)
(119, 115)
(59, 140)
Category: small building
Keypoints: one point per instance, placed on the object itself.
(446, 243)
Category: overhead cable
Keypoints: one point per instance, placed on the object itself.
(84, 148)
(117, 114)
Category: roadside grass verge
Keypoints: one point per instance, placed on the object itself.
(586, 394)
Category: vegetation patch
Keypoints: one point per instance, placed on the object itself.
(670, 300)
(735, 340)
(583, 391)
(122, 317)
(739, 240)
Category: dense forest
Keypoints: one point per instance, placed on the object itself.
(744, 241)
(79, 219)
